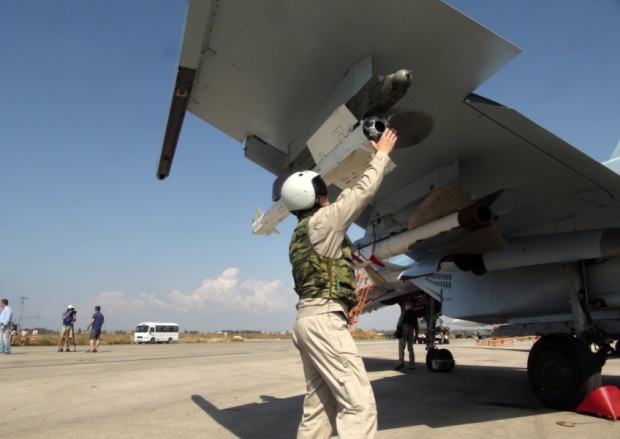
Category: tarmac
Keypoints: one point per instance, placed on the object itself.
(255, 389)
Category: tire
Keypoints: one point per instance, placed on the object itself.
(562, 371)
(432, 354)
(139, 342)
(169, 340)
(438, 354)
(153, 340)
(617, 346)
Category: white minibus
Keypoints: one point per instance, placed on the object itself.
(156, 332)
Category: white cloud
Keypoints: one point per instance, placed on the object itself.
(227, 300)
(227, 291)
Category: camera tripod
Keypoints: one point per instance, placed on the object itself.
(67, 335)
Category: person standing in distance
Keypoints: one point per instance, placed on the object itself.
(6, 322)
(13, 333)
(338, 389)
(66, 334)
(410, 328)
(95, 325)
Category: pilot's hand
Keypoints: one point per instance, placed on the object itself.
(386, 142)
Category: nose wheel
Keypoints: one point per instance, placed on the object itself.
(439, 360)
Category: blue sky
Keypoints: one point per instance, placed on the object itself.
(86, 89)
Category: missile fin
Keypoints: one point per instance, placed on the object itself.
(438, 204)
(259, 213)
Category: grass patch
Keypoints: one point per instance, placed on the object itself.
(118, 338)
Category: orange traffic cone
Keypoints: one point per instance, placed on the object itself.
(604, 401)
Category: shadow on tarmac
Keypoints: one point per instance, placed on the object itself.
(273, 418)
(468, 394)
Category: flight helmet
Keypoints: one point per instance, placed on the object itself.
(300, 191)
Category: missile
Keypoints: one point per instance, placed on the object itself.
(524, 251)
(472, 217)
(265, 223)
(545, 249)
(341, 147)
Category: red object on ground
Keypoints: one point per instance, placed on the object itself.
(604, 401)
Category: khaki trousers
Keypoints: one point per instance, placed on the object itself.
(406, 339)
(338, 389)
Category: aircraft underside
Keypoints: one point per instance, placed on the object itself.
(573, 307)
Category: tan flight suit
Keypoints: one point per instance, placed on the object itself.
(409, 324)
(338, 389)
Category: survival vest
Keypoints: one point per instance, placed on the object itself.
(318, 276)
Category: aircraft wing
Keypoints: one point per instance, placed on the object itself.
(471, 175)
(270, 73)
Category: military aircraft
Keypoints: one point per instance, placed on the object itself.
(486, 217)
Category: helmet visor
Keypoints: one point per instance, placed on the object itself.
(320, 188)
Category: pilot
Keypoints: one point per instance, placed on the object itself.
(409, 328)
(338, 389)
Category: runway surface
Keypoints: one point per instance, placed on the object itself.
(255, 389)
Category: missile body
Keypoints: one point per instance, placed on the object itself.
(475, 216)
(339, 147)
(265, 223)
(551, 249)
(524, 251)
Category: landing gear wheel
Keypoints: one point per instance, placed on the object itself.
(431, 355)
(562, 371)
(445, 357)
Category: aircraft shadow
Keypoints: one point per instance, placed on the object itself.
(468, 394)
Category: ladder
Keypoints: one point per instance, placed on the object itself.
(363, 284)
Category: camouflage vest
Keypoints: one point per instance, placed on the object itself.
(318, 276)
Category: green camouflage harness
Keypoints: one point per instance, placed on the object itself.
(318, 276)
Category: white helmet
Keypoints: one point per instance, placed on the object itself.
(300, 190)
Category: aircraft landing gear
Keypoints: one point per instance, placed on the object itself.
(562, 371)
(437, 360)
